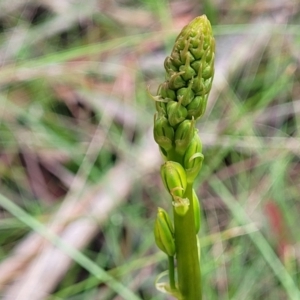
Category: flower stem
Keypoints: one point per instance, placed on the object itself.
(171, 272)
(188, 265)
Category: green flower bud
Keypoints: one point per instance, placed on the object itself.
(163, 132)
(196, 65)
(210, 54)
(169, 65)
(189, 72)
(198, 51)
(185, 95)
(161, 107)
(176, 81)
(202, 86)
(164, 232)
(174, 178)
(175, 59)
(176, 112)
(181, 55)
(160, 103)
(197, 107)
(192, 160)
(183, 136)
(196, 208)
(165, 92)
(208, 72)
(183, 50)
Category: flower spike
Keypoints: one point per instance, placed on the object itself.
(180, 101)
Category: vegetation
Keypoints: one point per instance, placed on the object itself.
(79, 167)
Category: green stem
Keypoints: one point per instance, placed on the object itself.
(174, 156)
(188, 266)
(171, 272)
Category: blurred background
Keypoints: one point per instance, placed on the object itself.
(79, 171)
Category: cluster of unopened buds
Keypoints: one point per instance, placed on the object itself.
(180, 101)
